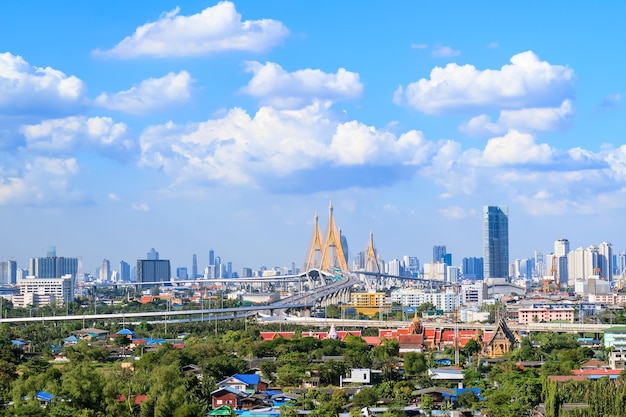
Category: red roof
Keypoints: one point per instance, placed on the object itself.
(372, 340)
(138, 399)
(597, 372)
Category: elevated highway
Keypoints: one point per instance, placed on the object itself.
(534, 327)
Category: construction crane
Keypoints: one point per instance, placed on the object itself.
(598, 272)
(553, 277)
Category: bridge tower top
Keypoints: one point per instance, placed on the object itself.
(313, 257)
(333, 254)
(371, 262)
(326, 251)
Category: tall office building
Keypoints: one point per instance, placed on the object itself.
(439, 251)
(181, 272)
(153, 255)
(153, 270)
(344, 245)
(105, 270)
(496, 241)
(561, 249)
(218, 267)
(621, 263)
(52, 252)
(540, 264)
(473, 268)
(124, 271)
(605, 250)
(194, 267)
(12, 272)
(211, 257)
(4, 272)
(52, 267)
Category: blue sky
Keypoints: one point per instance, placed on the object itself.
(198, 125)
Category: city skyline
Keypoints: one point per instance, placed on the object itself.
(120, 131)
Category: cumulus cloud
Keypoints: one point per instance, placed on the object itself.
(292, 147)
(215, 29)
(150, 95)
(113, 197)
(493, 45)
(441, 51)
(527, 120)
(40, 181)
(29, 90)
(279, 88)
(66, 136)
(419, 46)
(516, 148)
(526, 82)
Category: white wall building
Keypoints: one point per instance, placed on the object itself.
(62, 289)
(446, 301)
(435, 271)
(473, 294)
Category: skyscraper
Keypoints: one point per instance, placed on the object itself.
(561, 249)
(153, 270)
(105, 270)
(124, 271)
(153, 255)
(439, 251)
(194, 267)
(496, 241)
(605, 250)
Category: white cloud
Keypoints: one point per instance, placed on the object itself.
(140, 207)
(611, 101)
(419, 46)
(280, 88)
(67, 135)
(28, 90)
(516, 148)
(272, 144)
(113, 197)
(215, 29)
(40, 181)
(526, 120)
(150, 95)
(445, 52)
(493, 45)
(454, 212)
(526, 82)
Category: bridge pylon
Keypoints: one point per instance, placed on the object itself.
(333, 254)
(326, 252)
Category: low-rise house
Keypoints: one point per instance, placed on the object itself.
(363, 376)
(227, 396)
(445, 374)
(617, 359)
(248, 383)
(91, 334)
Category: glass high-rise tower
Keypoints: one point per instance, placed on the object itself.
(496, 241)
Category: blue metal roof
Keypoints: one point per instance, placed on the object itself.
(248, 379)
(44, 396)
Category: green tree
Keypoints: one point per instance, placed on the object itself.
(365, 397)
(414, 363)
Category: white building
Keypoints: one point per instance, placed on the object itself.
(453, 274)
(60, 289)
(446, 301)
(473, 294)
(435, 271)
